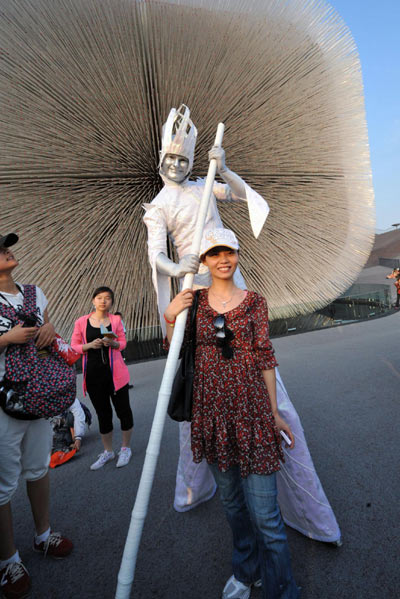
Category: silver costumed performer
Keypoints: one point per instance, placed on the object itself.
(173, 213)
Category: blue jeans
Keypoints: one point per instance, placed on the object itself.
(260, 547)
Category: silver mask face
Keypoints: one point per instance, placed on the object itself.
(175, 167)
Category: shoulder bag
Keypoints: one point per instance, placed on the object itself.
(37, 383)
(180, 403)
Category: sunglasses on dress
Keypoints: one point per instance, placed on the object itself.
(224, 336)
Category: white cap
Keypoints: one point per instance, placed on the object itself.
(216, 238)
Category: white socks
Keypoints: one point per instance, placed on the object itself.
(43, 537)
(11, 560)
(15, 558)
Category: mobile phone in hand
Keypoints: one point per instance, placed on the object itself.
(285, 437)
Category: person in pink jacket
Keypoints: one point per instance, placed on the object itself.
(100, 338)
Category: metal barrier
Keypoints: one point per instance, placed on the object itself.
(389, 262)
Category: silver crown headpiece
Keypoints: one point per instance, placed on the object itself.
(179, 135)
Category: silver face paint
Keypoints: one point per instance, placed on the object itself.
(175, 167)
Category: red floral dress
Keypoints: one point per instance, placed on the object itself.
(232, 422)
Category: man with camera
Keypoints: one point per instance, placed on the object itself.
(25, 441)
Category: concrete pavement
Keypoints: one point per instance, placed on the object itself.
(345, 385)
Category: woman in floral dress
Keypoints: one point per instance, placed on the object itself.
(235, 421)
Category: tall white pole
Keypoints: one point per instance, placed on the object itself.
(127, 570)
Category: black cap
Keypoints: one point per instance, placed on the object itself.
(8, 240)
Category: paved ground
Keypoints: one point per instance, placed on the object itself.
(345, 384)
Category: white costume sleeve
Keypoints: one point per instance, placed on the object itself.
(155, 221)
(258, 210)
(257, 206)
(79, 419)
(157, 232)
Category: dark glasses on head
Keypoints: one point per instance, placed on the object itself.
(224, 336)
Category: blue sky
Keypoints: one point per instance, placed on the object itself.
(375, 25)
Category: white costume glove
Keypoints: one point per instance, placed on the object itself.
(235, 183)
(188, 263)
(218, 153)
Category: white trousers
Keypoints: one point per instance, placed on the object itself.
(25, 447)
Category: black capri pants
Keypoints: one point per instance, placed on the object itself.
(101, 397)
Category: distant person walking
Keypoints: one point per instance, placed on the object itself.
(397, 285)
(100, 337)
(395, 274)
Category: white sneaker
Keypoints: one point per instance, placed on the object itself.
(124, 455)
(234, 589)
(104, 457)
